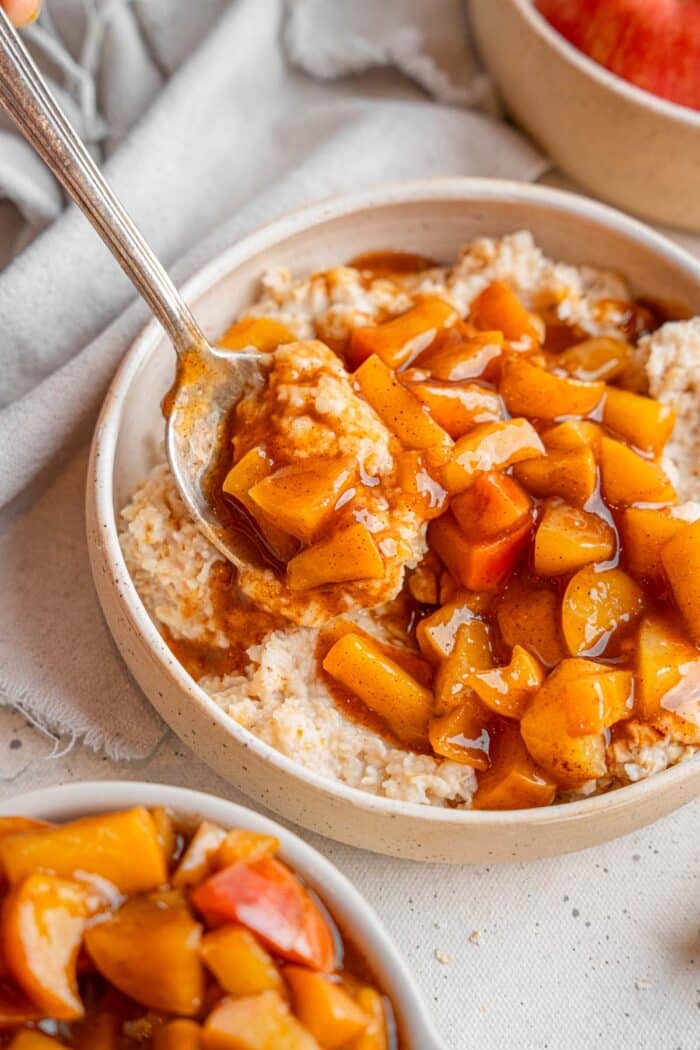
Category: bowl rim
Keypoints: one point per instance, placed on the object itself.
(80, 797)
(631, 92)
(101, 475)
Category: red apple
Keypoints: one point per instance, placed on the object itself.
(654, 44)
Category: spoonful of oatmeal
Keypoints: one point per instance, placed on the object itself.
(209, 380)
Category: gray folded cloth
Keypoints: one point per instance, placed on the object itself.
(272, 108)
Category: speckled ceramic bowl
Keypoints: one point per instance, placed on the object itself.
(434, 218)
(352, 913)
(624, 144)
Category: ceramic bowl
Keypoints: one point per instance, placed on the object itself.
(434, 218)
(354, 916)
(624, 144)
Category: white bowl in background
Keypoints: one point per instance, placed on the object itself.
(355, 918)
(624, 144)
(433, 218)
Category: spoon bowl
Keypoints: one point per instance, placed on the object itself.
(209, 382)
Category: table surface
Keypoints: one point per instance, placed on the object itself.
(600, 947)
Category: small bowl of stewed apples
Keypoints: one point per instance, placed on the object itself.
(168, 919)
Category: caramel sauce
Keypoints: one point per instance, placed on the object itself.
(391, 264)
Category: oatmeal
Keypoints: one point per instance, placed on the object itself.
(476, 489)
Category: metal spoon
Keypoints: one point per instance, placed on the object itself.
(209, 381)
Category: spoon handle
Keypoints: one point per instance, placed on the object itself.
(28, 101)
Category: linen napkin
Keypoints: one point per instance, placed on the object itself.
(240, 128)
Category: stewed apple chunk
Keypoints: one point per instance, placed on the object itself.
(479, 565)
(667, 673)
(506, 690)
(458, 407)
(568, 537)
(641, 421)
(471, 652)
(462, 735)
(436, 633)
(529, 614)
(149, 949)
(680, 557)
(529, 390)
(263, 333)
(490, 446)
(239, 962)
(398, 408)
(569, 760)
(302, 497)
(596, 696)
(495, 503)
(594, 359)
(598, 606)
(513, 780)
(645, 531)
(574, 434)
(351, 554)
(398, 341)
(255, 1022)
(362, 666)
(43, 922)
(325, 1008)
(572, 475)
(499, 307)
(251, 469)
(627, 478)
(458, 357)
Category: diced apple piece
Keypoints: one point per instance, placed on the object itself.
(258, 1022)
(627, 478)
(568, 537)
(179, 1034)
(574, 434)
(664, 658)
(398, 408)
(494, 504)
(462, 735)
(398, 341)
(572, 475)
(239, 962)
(458, 359)
(375, 1035)
(596, 606)
(33, 1039)
(479, 565)
(597, 698)
(437, 632)
(148, 949)
(499, 307)
(681, 560)
(325, 1008)
(530, 390)
(360, 664)
(490, 446)
(507, 690)
(600, 358)
(419, 487)
(264, 333)
(240, 844)
(349, 554)
(644, 533)
(471, 652)
(513, 781)
(122, 848)
(641, 421)
(44, 919)
(198, 859)
(458, 407)
(569, 760)
(267, 898)
(301, 497)
(529, 614)
(250, 469)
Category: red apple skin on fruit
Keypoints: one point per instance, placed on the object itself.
(654, 44)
